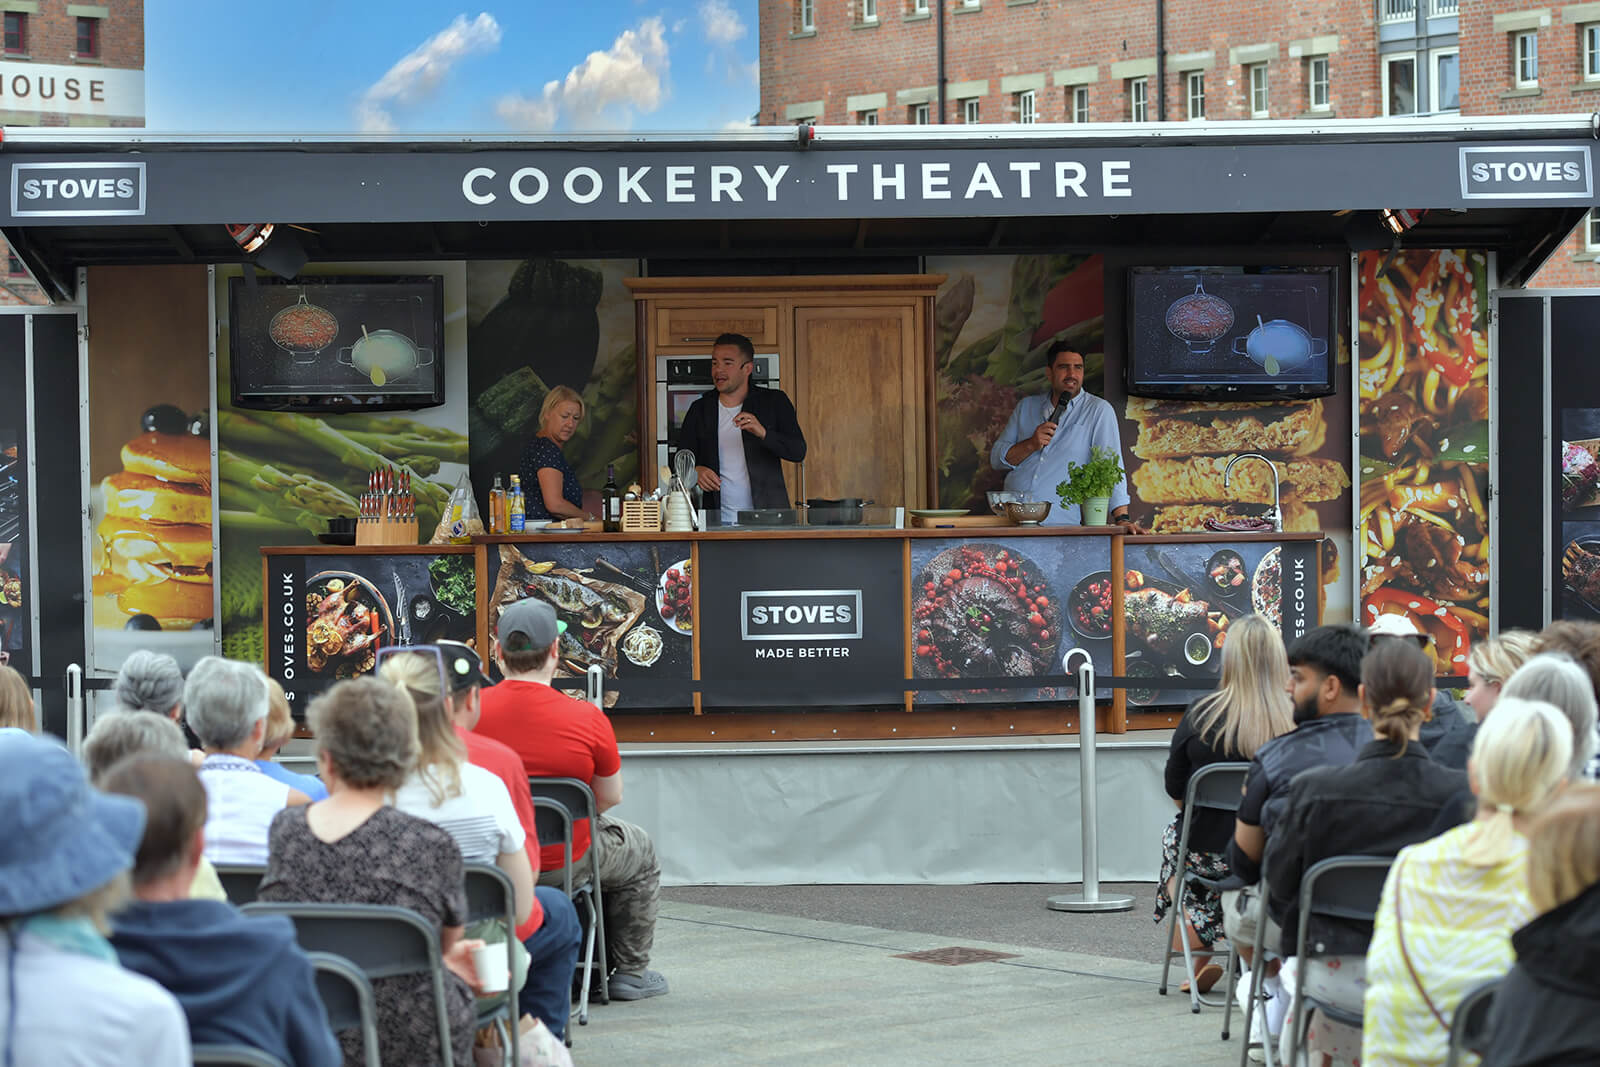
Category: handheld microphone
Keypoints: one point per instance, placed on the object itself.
(1060, 410)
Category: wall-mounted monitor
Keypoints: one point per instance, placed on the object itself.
(1242, 333)
(337, 343)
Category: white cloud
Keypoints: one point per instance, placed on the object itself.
(722, 23)
(738, 124)
(604, 90)
(418, 74)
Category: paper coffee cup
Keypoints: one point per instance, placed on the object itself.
(490, 963)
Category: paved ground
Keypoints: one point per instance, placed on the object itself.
(808, 975)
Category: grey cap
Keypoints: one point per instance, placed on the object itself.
(532, 618)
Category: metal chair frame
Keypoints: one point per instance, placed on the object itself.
(556, 795)
(347, 997)
(1258, 975)
(233, 1056)
(1469, 1027)
(1214, 787)
(383, 941)
(241, 881)
(490, 895)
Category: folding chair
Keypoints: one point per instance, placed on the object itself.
(1258, 973)
(347, 997)
(557, 803)
(233, 1056)
(384, 941)
(490, 895)
(1215, 787)
(1470, 1027)
(1341, 887)
(242, 882)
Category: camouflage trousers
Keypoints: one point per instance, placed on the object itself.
(630, 890)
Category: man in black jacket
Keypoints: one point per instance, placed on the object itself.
(739, 432)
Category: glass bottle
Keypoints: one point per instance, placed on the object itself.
(516, 508)
(611, 501)
(497, 507)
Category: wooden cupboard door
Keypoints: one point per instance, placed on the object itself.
(697, 327)
(859, 391)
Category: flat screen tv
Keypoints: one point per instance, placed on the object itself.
(1239, 333)
(337, 343)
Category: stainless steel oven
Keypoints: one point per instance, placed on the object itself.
(680, 381)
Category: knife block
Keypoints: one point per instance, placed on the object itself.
(386, 530)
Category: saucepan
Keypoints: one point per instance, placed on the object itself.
(1279, 345)
(385, 356)
(843, 512)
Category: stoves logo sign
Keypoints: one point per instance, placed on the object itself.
(77, 190)
(800, 615)
(1534, 172)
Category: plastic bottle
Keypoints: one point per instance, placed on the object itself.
(516, 507)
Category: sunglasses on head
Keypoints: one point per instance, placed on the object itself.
(1424, 641)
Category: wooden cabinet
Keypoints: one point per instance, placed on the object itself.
(855, 356)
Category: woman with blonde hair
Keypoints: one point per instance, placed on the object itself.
(1491, 664)
(280, 728)
(16, 702)
(1250, 708)
(549, 484)
(1449, 904)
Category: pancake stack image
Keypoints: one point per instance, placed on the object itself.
(153, 541)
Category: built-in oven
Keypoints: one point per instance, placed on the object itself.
(681, 380)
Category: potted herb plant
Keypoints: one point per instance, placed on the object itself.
(1089, 485)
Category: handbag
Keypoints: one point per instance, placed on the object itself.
(1405, 954)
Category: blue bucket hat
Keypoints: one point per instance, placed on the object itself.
(63, 838)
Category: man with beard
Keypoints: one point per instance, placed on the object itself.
(738, 433)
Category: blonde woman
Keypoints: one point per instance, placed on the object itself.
(549, 484)
(1227, 726)
(280, 728)
(1491, 663)
(1449, 905)
(16, 702)
(1547, 1011)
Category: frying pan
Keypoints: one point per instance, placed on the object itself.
(845, 512)
(301, 351)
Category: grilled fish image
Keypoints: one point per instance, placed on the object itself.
(575, 651)
(574, 598)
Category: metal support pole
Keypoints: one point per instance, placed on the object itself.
(594, 686)
(1090, 899)
(76, 726)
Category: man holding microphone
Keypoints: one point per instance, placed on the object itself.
(1047, 431)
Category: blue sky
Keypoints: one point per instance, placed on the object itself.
(414, 67)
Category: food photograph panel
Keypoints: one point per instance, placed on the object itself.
(1012, 607)
(14, 626)
(332, 615)
(1580, 571)
(628, 606)
(1580, 463)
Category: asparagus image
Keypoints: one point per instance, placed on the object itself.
(296, 499)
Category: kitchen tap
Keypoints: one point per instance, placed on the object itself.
(1275, 515)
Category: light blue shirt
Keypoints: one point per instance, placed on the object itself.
(1088, 421)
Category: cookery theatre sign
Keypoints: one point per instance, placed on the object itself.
(52, 89)
(190, 184)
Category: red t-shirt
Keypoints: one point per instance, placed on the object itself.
(556, 737)
(503, 763)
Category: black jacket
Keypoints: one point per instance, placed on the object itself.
(1374, 807)
(1209, 830)
(1547, 1011)
(761, 455)
(1449, 734)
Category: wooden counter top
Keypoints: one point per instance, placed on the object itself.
(1211, 536)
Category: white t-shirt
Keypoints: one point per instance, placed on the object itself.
(241, 802)
(735, 475)
(480, 817)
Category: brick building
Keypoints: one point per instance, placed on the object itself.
(67, 64)
(861, 62)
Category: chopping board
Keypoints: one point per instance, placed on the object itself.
(925, 522)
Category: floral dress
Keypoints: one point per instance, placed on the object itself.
(393, 859)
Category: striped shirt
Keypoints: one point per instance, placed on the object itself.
(480, 818)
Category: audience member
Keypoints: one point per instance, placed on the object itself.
(1250, 708)
(64, 858)
(557, 736)
(240, 981)
(1447, 729)
(1449, 904)
(1547, 1010)
(353, 848)
(1490, 663)
(280, 728)
(551, 934)
(226, 704)
(153, 682)
(1556, 679)
(1387, 799)
(120, 734)
(16, 702)
(1581, 641)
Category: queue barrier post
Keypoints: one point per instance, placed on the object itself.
(594, 685)
(1089, 899)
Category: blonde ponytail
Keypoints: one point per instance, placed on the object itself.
(1519, 760)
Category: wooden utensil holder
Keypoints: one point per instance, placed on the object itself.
(386, 530)
(641, 516)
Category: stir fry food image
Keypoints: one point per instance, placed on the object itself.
(1424, 411)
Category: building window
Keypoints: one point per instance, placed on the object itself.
(1397, 10)
(1591, 50)
(969, 111)
(1079, 103)
(1026, 113)
(1525, 58)
(919, 7)
(16, 33)
(1317, 84)
(1195, 91)
(1400, 86)
(919, 114)
(1446, 86)
(869, 10)
(88, 38)
(808, 15)
(867, 118)
(1260, 108)
(1591, 231)
(14, 265)
(1138, 99)
(1444, 8)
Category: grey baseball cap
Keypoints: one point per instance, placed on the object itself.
(533, 619)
